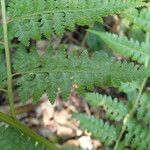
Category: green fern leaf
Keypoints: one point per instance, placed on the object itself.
(141, 19)
(12, 139)
(98, 128)
(143, 112)
(114, 109)
(137, 136)
(26, 61)
(122, 45)
(58, 73)
(30, 18)
(34, 85)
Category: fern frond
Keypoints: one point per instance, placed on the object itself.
(12, 139)
(141, 19)
(137, 136)
(58, 73)
(100, 130)
(143, 112)
(31, 18)
(114, 109)
(126, 47)
(2, 71)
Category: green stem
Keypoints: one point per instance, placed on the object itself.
(52, 71)
(134, 108)
(21, 127)
(130, 115)
(28, 16)
(8, 61)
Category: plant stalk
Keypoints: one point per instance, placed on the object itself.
(8, 60)
(21, 127)
(134, 108)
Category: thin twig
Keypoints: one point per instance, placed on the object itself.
(8, 59)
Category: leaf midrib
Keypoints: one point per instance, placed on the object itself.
(59, 11)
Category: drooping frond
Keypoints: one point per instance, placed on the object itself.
(12, 139)
(2, 71)
(141, 19)
(143, 111)
(100, 130)
(31, 18)
(126, 47)
(114, 109)
(137, 136)
(58, 72)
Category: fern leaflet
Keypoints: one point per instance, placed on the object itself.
(30, 19)
(99, 129)
(141, 19)
(143, 112)
(137, 136)
(122, 45)
(115, 110)
(58, 73)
